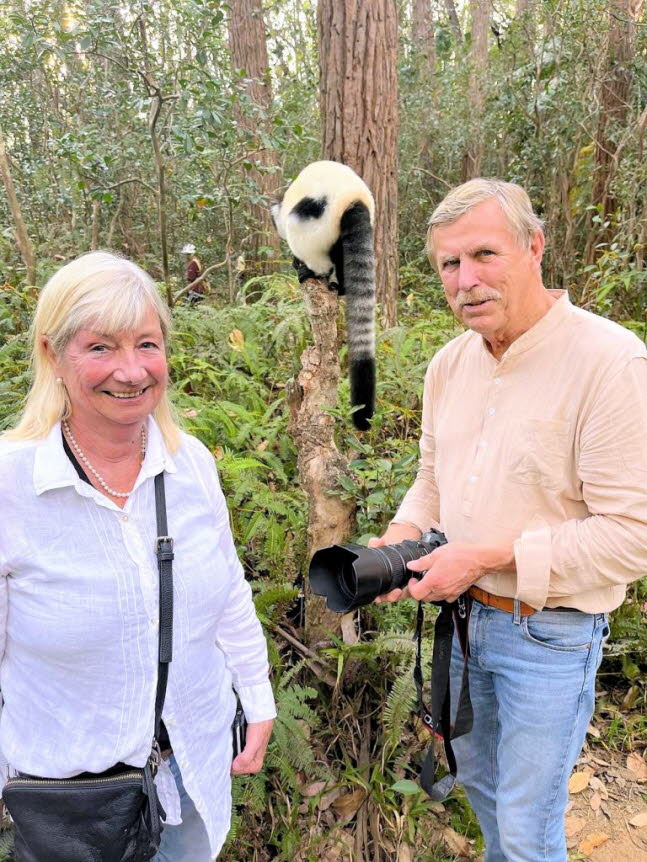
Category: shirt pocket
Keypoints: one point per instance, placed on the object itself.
(539, 452)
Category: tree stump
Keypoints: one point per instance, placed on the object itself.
(320, 464)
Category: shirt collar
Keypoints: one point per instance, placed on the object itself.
(554, 317)
(53, 469)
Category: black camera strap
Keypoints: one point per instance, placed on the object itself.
(438, 719)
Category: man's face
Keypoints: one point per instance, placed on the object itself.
(488, 278)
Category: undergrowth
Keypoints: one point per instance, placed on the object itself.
(344, 731)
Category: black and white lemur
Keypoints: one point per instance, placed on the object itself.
(326, 216)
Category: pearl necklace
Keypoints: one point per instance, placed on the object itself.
(100, 479)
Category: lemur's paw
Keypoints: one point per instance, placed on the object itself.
(303, 273)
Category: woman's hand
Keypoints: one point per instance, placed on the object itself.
(251, 758)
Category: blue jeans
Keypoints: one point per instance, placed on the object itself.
(187, 842)
(532, 685)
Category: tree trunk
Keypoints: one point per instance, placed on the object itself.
(154, 112)
(22, 237)
(96, 219)
(523, 7)
(614, 97)
(473, 156)
(248, 46)
(312, 396)
(453, 21)
(423, 37)
(359, 109)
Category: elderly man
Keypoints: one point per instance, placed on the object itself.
(534, 464)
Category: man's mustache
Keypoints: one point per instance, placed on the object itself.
(466, 298)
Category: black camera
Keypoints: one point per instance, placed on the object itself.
(350, 576)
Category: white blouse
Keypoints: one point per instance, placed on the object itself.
(79, 623)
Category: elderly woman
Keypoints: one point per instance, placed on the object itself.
(79, 611)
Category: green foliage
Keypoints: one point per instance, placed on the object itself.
(81, 158)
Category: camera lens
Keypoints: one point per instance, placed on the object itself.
(350, 576)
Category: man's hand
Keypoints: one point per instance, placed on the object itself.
(251, 758)
(451, 569)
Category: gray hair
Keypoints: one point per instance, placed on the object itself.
(512, 199)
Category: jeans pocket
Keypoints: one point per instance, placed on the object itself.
(558, 631)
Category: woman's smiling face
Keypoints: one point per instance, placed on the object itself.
(114, 379)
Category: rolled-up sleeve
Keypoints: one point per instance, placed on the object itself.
(609, 547)
(239, 634)
(421, 507)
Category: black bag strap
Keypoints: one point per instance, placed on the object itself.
(438, 719)
(164, 552)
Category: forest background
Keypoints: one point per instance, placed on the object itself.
(141, 127)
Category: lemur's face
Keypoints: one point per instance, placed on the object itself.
(487, 276)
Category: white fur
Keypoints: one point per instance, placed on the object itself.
(311, 239)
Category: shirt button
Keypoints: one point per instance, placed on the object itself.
(497, 380)
(483, 444)
(473, 479)
(124, 518)
(492, 411)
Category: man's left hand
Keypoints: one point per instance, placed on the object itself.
(251, 758)
(451, 569)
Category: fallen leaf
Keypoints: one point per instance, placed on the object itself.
(593, 731)
(347, 806)
(579, 781)
(328, 798)
(404, 853)
(573, 825)
(595, 802)
(639, 820)
(262, 446)
(456, 843)
(598, 785)
(313, 789)
(595, 839)
(636, 764)
(218, 453)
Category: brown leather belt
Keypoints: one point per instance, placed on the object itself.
(501, 603)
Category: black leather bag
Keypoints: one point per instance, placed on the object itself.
(114, 816)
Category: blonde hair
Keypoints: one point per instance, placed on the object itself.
(96, 289)
(512, 199)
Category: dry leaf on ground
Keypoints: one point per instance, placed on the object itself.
(456, 843)
(347, 806)
(595, 839)
(313, 789)
(639, 820)
(404, 853)
(573, 825)
(579, 781)
(328, 798)
(636, 764)
(596, 801)
(598, 785)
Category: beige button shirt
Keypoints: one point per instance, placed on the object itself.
(545, 448)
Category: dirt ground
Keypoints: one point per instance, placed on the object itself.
(606, 817)
(606, 820)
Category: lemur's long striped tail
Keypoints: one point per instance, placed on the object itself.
(356, 237)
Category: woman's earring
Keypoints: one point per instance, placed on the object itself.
(59, 379)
